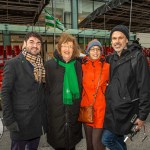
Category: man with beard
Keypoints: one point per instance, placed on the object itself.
(128, 91)
(22, 95)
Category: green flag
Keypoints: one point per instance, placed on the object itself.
(50, 21)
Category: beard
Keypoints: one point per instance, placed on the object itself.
(31, 51)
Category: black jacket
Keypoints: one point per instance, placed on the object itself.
(22, 100)
(64, 130)
(128, 92)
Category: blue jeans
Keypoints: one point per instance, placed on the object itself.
(113, 141)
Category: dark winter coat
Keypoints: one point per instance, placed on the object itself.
(64, 130)
(22, 100)
(128, 92)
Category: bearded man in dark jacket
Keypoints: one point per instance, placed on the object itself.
(128, 92)
(23, 95)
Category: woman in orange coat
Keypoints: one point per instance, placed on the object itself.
(92, 66)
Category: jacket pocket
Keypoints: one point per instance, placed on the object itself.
(123, 115)
(21, 107)
(22, 114)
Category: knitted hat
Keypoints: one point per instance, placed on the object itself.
(92, 43)
(121, 28)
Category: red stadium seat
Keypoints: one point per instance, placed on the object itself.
(16, 49)
(9, 52)
(109, 50)
(1, 55)
(1, 78)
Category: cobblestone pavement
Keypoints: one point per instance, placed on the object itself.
(137, 143)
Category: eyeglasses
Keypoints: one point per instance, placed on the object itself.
(95, 49)
(65, 46)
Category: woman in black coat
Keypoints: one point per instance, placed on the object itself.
(63, 84)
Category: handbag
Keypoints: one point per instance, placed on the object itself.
(86, 113)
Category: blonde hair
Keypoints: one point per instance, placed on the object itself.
(64, 38)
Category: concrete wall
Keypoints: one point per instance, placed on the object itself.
(144, 39)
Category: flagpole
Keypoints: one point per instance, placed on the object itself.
(53, 13)
(52, 21)
(84, 40)
(45, 42)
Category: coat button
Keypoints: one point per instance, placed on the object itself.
(124, 97)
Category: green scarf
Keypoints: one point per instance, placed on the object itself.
(70, 84)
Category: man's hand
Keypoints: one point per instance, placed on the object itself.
(139, 124)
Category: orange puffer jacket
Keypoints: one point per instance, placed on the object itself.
(91, 72)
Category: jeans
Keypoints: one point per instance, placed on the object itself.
(65, 149)
(113, 141)
(25, 145)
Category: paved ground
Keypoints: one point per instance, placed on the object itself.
(137, 143)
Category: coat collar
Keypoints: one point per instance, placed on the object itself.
(130, 48)
(86, 59)
(26, 65)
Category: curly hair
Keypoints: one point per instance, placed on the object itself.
(64, 38)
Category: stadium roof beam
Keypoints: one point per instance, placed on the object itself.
(27, 10)
(118, 12)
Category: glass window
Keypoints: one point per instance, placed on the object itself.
(86, 7)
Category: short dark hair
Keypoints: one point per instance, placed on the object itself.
(33, 34)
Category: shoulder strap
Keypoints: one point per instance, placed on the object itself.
(132, 57)
(134, 60)
(99, 79)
